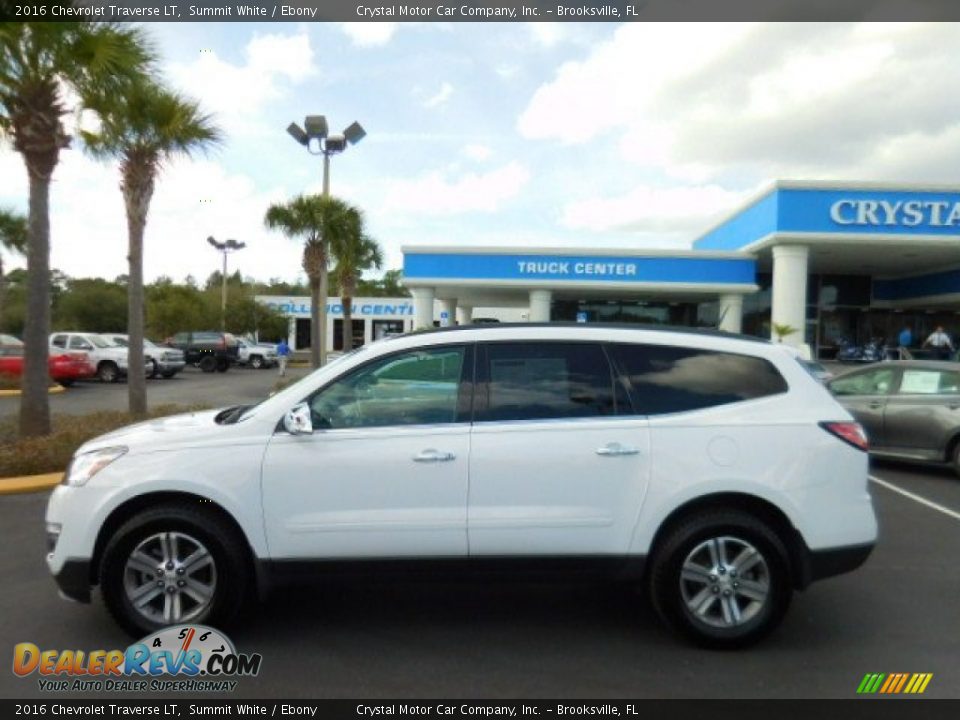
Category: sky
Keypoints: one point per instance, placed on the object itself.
(586, 135)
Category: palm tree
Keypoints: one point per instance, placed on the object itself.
(145, 129)
(37, 62)
(320, 221)
(355, 253)
(13, 238)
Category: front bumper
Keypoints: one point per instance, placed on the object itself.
(170, 366)
(74, 580)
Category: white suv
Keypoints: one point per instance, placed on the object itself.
(711, 469)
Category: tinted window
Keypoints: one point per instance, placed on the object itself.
(59, 341)
(929, 382)
(412, 388)
(870, 382)
(667, 379)
(538, 381)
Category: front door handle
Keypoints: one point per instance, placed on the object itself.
(616, 448)
(431, 455)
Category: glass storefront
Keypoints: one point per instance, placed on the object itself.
(838, 312)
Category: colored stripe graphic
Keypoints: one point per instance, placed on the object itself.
(894, 683)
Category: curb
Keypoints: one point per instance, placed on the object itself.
(29, 483)
(54, 390)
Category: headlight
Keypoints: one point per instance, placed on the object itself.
(83, 467)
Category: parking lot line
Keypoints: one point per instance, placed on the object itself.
(917, 498)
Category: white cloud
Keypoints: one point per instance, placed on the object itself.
(237, 93)
(477, 152)
(369, 34)
(193, 199)
(548, 34)
(819, 100)
(440, 97)
(435, 194)
(681, 209)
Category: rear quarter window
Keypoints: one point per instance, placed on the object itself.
(668, 379)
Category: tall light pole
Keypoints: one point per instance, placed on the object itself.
(315, 138)
(226, 248)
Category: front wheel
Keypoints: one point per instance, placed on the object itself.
(256, 362)
(174, 564)
(108, 372)
(722, 578)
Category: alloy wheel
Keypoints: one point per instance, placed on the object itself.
(170, 577)
(725, 582)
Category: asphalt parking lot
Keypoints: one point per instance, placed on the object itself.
(429, 638)
(237, 386)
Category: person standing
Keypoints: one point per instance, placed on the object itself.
(283, 354)
(905, 340)
(940, 342)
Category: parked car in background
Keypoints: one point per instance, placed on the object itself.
(256, 355)
(64, 367)
(712, 471)
(910, 409)
(207, 350)
(164, 361)
(109, 359)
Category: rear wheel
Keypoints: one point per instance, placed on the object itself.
(722, 578)
(223, 365)
(108, 372)
(174, 564)
(208, 364)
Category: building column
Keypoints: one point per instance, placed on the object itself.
(292, 333)
(540, 305)
(448, 307)
(422, 307)
(789, 306)
(464, 314)
(730, 312)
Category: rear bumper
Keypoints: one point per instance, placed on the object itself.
(820, 564)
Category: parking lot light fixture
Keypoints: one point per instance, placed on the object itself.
(315, 136)
(228, 246)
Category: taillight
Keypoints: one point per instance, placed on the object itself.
(850, 432)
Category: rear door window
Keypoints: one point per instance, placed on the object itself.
(869, 383)
(922, 381)
(669, 379)
(545, 381)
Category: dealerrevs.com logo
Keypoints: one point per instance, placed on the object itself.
(200, 659)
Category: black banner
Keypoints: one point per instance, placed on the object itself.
(476, 10)
(875, 709)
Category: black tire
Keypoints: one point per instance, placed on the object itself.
(223, 365)
(208, 364)
(108, 372)
(227, 548)
(154, 369)
(256, 362)
(667, 589)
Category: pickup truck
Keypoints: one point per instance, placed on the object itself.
(257, 355)
(109, 359)
(207, 350)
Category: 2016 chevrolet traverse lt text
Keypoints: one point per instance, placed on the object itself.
(711, 470)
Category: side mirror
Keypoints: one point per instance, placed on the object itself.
(297, 420)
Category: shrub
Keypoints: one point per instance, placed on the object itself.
(52, 453)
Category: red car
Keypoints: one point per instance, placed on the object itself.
(65, 368)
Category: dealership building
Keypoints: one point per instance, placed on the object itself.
(835, 261)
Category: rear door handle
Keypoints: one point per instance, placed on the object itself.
(431, 455)
(616, 448)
